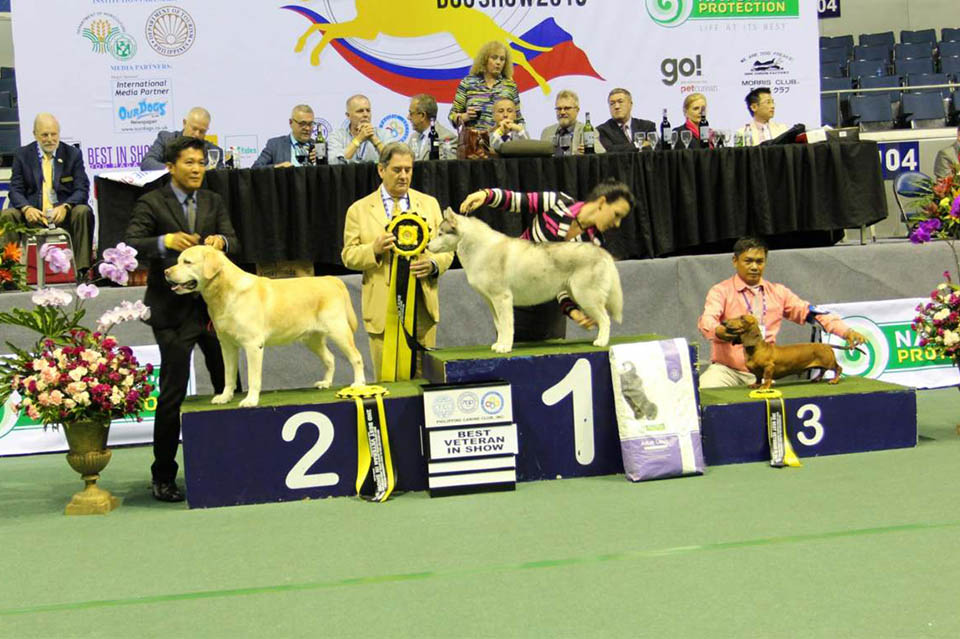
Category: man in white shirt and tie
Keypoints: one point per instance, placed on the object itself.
(423, 111)
(761, 128)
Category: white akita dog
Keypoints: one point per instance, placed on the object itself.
(510, 272)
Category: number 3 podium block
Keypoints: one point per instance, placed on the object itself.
(856, 415)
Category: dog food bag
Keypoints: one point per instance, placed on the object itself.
(656, 409)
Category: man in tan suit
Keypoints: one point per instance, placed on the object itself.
(367, 247)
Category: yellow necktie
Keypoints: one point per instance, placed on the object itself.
(47, 181)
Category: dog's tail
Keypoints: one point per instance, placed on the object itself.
(844, 347)
(615, 299)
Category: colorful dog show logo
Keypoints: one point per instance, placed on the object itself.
(673, 13)
(890, 347)
(539, 54)
(107, 35)
(396, 126)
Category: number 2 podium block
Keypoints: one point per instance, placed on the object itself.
(856, 415)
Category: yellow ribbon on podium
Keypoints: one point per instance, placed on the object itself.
(400, 326)
(781, 451)
(376, 478)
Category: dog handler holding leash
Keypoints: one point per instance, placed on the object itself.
(748, 293)
(557, 217)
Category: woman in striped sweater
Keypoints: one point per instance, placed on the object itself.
(551, 216)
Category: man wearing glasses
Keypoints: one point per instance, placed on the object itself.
(294, 149)
(761, 127)
(423, 111)
(617, 133)
(195, 125)
(567, 108)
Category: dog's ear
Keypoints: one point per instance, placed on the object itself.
(212, 264)
(450, 217)
(737, 340)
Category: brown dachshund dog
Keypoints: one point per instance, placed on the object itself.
(769, 362)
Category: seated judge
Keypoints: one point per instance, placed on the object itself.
(761, 126)
(49, 185)
(423, 111)
(358, 140)
(506, 127)
(567, 108)
(947, 158)
(694, 105)
(284, 150)
(748, 293)
(616, 134)
(195, 125)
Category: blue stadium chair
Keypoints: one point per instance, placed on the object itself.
(860, 68)
(949, 49)
(834, 55)
(7, 72)
(872, 112)
(8, 115)
(828, 103)
(948, 34)
(882, 82)
(913, 50)
(923, 110)
(923, 35)
(870, 39)
(6, 100)
(837, 41)
(921, 79)
(913, 65)
(833, 70)
(830, 113)
(873, 52)
(9, 144)
(955, 118)
(836, 84)
(951, 66)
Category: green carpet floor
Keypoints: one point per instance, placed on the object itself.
(863, 545)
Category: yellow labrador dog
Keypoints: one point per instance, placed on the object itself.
(252, 312)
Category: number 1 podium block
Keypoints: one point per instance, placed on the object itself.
(856, 415)
(562, 402)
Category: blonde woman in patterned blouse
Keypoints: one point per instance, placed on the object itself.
(491, 78)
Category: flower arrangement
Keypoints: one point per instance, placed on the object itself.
(936, 216)
(13, 275)
(74, 373)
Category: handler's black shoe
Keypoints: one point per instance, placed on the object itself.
(167, 491)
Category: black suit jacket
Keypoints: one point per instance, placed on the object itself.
(69, 177)
(153, 160)
(613, 139)
(157, 213)
(695, 143)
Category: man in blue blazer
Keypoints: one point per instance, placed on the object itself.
(195, 125)
(50, 186)
(280, 151)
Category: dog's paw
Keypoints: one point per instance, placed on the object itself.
(501, 348)
(249, 401)
(602, 343)
(322, 384)
(222, 398)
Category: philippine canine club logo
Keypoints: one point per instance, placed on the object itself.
(669, 13)
(171, 31)
(397, 126)
(540, 54)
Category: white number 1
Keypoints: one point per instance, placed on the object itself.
(578, 382)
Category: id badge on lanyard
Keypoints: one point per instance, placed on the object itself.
(763, 312)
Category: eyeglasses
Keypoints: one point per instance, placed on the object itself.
(566, 108)
(304, 123)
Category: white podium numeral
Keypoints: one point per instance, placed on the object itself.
(578, 382)
(814, 422)
(298, 476)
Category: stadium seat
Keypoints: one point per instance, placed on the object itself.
(872, 112)
(913, 50)
(923, 35)
(7, 72)
(926, 79)
(870, 39)
(923, 110)
(834, 55)
(948, 34)
(860, 68)
(836, 84)
(951, 66)
(873, 52)
(833, 70)
(882, 82)
(913, 65)
(837, 41)
(830, 114)
(949, 49)
(6, 100)
(9, 116)
(9, 144)
(955, 119)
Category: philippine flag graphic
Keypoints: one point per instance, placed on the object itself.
(563, 58)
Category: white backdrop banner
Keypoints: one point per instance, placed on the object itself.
(116, 71)
(893, 349)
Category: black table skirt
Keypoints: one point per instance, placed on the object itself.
(687, 201)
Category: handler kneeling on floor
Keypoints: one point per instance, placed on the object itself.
(748, 293)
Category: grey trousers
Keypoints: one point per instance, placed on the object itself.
(77, 223)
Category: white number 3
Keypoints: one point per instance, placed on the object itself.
(814, 422)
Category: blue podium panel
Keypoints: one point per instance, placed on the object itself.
(562, 402)
(296, 445)
(856, 415)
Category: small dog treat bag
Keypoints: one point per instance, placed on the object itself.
(656, 409)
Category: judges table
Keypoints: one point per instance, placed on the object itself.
(687, 201)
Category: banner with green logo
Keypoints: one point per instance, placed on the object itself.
(893, 353)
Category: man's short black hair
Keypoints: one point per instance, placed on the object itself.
(176, 146)
(613, 190)
(749, 242)
(754, 97)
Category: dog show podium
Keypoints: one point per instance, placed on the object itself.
(302, 444)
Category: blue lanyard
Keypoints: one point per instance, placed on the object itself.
(763, 298)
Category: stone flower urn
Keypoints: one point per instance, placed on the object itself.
(88, 456)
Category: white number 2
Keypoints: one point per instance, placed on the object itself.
(814, 422)
(577, 381)
(298, 476)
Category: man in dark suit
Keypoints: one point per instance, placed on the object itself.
(50, 185)
(195, 125)
(616, 134)
(165, 222)
(281, 151)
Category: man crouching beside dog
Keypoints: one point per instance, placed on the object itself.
(164, 223)
(747, 293)
(367, 247)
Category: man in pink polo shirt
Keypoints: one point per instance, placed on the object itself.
(747, 292)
